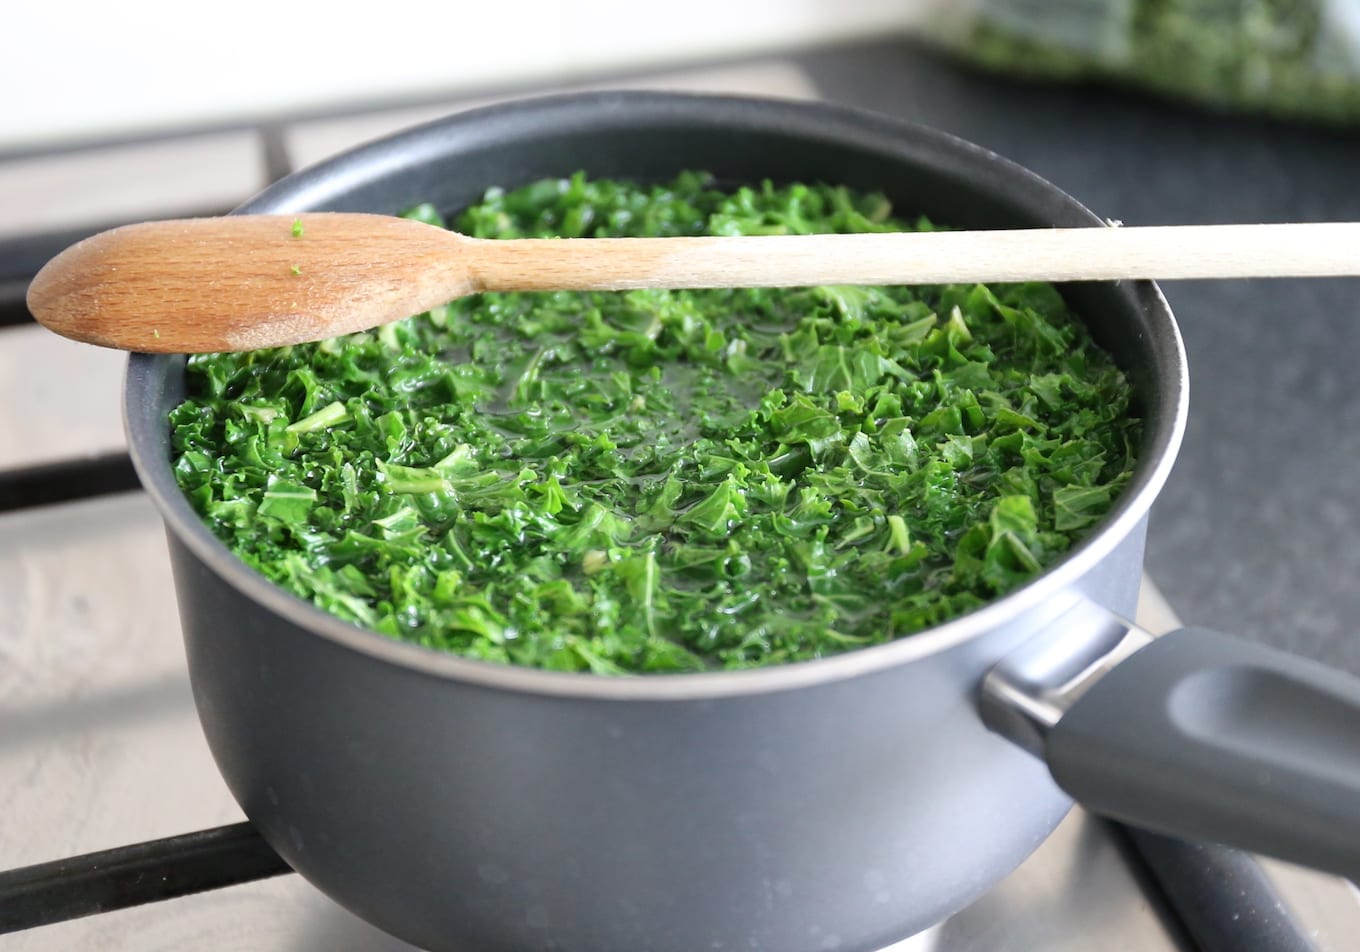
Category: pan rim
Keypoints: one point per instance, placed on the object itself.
(147, 375)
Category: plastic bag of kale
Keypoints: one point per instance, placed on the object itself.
(1298, 59)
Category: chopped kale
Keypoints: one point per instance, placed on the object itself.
(653, 481)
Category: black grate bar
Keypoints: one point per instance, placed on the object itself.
(66, 481)
(277, 162)
(133, 875)
(1222, 897)
(22, 256)
(13, 307)
(20, 259)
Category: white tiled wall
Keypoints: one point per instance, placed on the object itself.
(130, 182)
(77, 69)
(310, 141)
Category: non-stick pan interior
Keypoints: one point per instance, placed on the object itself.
(651, 137)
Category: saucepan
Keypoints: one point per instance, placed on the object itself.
(843, 803)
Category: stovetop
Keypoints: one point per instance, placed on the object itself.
(99, 743)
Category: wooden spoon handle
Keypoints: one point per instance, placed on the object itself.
(245, 282)
(942, 257)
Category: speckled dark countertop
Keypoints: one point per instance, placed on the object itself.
(1258, 531)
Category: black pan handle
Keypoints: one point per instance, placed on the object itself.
(1221, 897)
(1196, 734)
(1209, 737)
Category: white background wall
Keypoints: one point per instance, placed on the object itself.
(75, 69)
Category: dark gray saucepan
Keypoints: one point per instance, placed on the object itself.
(837, 804)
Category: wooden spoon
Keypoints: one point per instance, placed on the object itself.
(244, 282)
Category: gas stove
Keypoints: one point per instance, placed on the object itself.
(100, 748)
